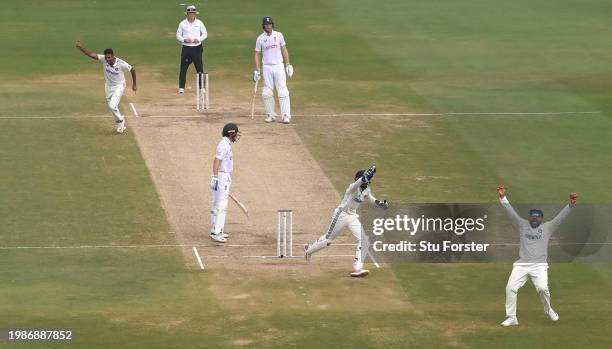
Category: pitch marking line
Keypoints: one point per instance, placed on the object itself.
(137, 246)
(557, 113)
(134, 110)
(195, 251)
(207, 246)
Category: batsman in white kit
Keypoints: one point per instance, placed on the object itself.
(533, 255)
(271, 50)
(115, 80)
(221, 180)
(346, 215)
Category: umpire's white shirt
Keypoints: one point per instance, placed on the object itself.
(270, 46)
(191, 30)
(114, 73)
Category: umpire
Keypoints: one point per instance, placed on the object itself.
(191, 33)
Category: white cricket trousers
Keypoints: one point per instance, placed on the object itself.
(113, 98)
(274, 76)
(219, 203)
(341, 220)
(538, 273)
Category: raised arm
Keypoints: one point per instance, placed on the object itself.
(514, 217)
(556, 222)
(85, 51)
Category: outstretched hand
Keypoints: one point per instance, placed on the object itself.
(573, 197)
(501, 191)
(78, 44)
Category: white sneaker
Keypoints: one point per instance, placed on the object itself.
(121, 126)
(286, 119)
(360, 273)
(307, 255)
(181, 91)
(270, 118)
(510, 321)
(225, 235)
(553, 315)
(218, 237)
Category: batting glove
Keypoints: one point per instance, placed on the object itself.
(214, 182)
(256, 75)
(289, 69)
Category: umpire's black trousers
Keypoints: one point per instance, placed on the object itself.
(190, 54)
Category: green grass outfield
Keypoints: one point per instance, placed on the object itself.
(69, 182)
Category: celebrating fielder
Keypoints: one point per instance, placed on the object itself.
(271, 50)
(533, 255)
(115, 80)
(346, 215)
(221, 179)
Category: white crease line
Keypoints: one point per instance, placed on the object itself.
(555, 113)
(134, 109)
(136, 246)
(453, 114)
(195, 250)
(277, 257)
(216, 247)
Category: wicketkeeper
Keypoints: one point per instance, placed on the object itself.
(346, 215)
(533, 254)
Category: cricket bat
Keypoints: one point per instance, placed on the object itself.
(240, 204)
(253, 100)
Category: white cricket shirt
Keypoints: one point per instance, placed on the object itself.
(354, 196)
(270, 46)
(191, 30)
(224, 153)
(114, 73)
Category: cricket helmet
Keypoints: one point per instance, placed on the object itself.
(230, 130)
(267, 20)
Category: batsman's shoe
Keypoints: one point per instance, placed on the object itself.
(218, 237)
(307, 255)
(286, 119)
(510, 321)
(270, 118)
(181, 91)
(222, 234)
(360, 273)
(121, 127)
(553, 315)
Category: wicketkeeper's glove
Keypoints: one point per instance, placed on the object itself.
(381, 204)
(369, 174)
